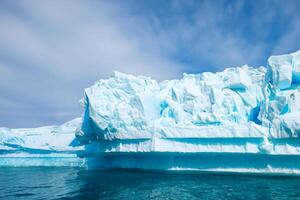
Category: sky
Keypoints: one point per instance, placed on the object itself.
(51, 50)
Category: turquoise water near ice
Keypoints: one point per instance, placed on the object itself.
(78, 183)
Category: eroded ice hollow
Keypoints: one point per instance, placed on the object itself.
(243, 119)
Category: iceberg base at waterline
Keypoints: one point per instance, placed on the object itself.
(234, 163)
(243, 119)
(250, 163)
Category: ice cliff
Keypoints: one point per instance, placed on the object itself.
(241, 119)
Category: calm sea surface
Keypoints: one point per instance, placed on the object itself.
(76, 183)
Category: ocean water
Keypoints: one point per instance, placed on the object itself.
(78, 183)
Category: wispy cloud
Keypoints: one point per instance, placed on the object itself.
(51, 50)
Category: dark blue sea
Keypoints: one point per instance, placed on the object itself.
(77, 183)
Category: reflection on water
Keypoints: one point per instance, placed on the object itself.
(76, 183)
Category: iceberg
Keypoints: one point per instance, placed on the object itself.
(243, 119)
(44, 146)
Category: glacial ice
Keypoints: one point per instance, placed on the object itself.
(243, 119)
(44, 146)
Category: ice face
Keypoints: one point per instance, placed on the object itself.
(284, 69)
(127, 107)
(280, 107)
(242, 114)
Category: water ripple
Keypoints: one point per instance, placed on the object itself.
(75, 183)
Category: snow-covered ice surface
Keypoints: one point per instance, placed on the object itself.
(243, 119)
(44, 146)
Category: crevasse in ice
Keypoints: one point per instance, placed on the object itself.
(241, 119)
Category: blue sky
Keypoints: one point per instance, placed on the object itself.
(51, 50)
